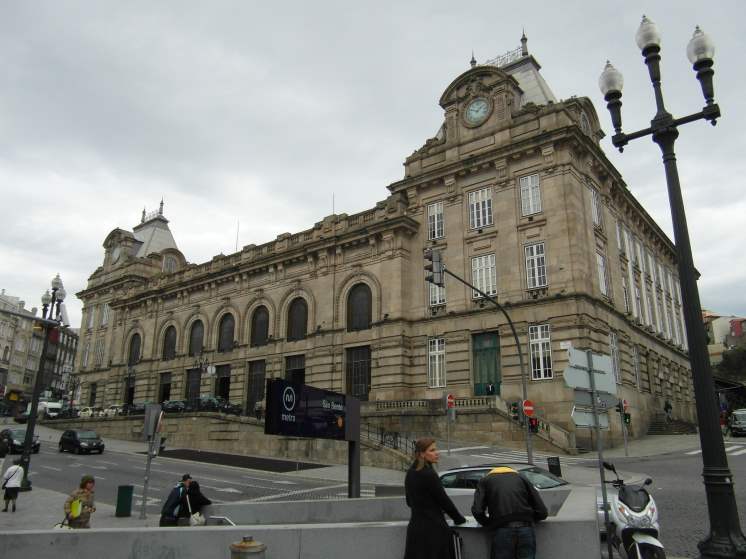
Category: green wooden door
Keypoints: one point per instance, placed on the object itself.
(486, 359)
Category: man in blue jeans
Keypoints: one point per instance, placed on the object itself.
(508, 504)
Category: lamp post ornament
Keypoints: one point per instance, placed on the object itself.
(725, 538)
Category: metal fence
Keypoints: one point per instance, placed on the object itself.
(390, 439)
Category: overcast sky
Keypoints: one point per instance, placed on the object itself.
(261, 113)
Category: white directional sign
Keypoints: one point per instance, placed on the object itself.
(583, 418)
(603, 400)
(576, 375)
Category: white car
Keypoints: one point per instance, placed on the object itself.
(112, 411)
(87, 413)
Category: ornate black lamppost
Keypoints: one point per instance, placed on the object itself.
(51, 322)
(725, 538)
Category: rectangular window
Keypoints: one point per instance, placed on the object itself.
(530, 195)
(601, 269)
(540, 349)
(435, 227)
(536, 270)
(596, 208)
(86, 352)
(98, 353)
(91, 314)
(637, 300)
(480, 208)
(437, 295)
(358, 372)
(93, 394)
(105, 314)
(486, 361)
(614, 351)
(164, 390)
(619, 237)
(483, 275)
(193, 385)
(636, 365)
(436, 363)
(625, 292)
(295, 369)
(255, 393)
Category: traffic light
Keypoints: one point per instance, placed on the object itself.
(627, 418)
(515, 412)
(434, 265)
(619, 408)
(533, 424)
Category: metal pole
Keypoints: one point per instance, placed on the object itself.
(524, 382)
(353, 469)
(600, 446)
(153, 443)
(448, 431)
(624, 431)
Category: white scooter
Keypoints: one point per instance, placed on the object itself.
(633, 516)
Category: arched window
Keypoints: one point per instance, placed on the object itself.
(297, 319)
(196, 338)
(260, 326)
(359, 308)
(225, 336)
(170, 264)
(169, 343)
(134, 354)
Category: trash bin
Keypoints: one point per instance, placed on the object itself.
(124, 500)
(553, 465)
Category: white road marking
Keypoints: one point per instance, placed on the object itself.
(299, 492)
(109, 463)
(52, 468)
(738, 453)
(692, 452)
(468, 448)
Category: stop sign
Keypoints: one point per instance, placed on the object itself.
(450, 401)
(528, 407)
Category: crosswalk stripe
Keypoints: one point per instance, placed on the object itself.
(739, 452)
(699, 451)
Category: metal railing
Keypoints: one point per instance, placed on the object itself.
(390, 439)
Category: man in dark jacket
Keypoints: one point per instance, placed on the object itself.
(175, 502)
(508, 504)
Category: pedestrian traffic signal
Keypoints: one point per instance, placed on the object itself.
(533, 424)
(434, 265)
(627, 418)
(515, 412)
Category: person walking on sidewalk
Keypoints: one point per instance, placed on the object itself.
(428, 536)
(12, 479)
(175, 502)
(79, 505)
(508, 504)
(668, 408)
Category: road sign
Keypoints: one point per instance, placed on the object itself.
(528, 407)
(584, 418)
(604, 400)
(578, 378)
(625, 404)
(450, 401)
(579, 360)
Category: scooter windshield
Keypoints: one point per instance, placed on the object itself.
(636, 498)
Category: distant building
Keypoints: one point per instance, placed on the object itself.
(20, 348)
(723, 333)
(513, 189)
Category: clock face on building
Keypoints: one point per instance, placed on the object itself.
(477, 111)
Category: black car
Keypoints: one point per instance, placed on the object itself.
(133, 409)
(227, 407)
(208, 403)
(174, 406)
(78, 441)
(17, 437)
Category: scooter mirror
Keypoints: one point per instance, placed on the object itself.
(648, 481)
(609, 466)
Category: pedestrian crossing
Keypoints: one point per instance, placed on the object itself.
(731, 449)
(539, 457)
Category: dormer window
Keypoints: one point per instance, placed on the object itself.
(169, 264)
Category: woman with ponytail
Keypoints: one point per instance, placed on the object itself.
(428, 535)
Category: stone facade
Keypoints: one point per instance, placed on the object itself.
(516, 193)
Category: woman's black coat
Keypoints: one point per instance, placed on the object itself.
(428, 535)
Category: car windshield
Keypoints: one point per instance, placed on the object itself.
(18, 433)
(87, 435)
(739, 415)
(541, 479)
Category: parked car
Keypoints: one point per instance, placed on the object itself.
(208, 403)
(468, 477)
(228, 407)
(738, 422)
(174, 406)
(70, 413)
(112, 411)
(17, 436)
(21, 417)
(78, 441)
(87, 413)
(136, 408)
